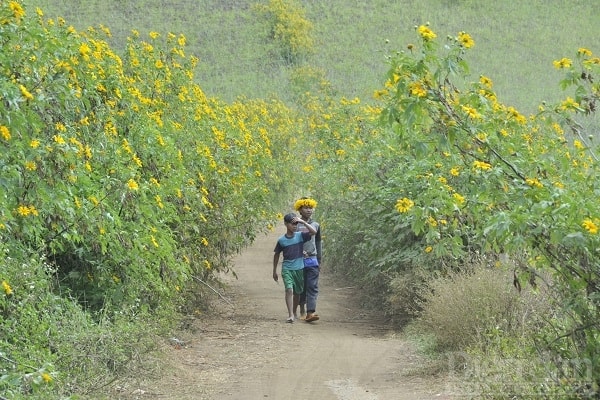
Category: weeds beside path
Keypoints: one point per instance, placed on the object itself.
(246, 350)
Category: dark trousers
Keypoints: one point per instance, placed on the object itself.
(311, 289)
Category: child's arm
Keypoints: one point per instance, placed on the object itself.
(311, 229)
(275, 263)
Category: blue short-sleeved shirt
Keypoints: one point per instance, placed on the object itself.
(292, 249)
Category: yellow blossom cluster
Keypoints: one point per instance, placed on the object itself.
(404, 204)
(590, 226)
(7, 289)
(305, 202)
(426, 33)
(26, 210)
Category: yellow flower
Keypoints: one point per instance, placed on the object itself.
(305, 202)
(207, 264)
(584, 51)
(404, 205)
(7, 289)
(85, 50)
(485, 81)
(481, 165)
(534, 182)
(455, 171)
(569, 104)
(426, 33)
(562, 63)
(428, 249)
(204, 241)
(25, 211)
(465, 40)
(4, 132)
(417, 89)
(132, 185)
(588, 225)
(25, 92)
(206, 202)
(46, 377)
(459, 199)
(59, 126)
(17, 10)
(125, 145)
(471, 112)
(34, 144)
(378, 94)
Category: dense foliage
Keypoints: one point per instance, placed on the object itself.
(456, 177)
(123, 187)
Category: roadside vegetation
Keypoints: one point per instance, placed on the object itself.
(134, 166)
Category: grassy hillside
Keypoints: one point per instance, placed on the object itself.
(516, 42)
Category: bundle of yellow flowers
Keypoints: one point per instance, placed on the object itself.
(305, 202)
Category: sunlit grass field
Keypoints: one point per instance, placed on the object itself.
(516, 42)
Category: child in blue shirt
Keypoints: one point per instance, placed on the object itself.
(291, 244)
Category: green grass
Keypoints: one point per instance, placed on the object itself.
(516, 42)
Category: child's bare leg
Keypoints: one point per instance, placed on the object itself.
(289, 302)
(296, 299)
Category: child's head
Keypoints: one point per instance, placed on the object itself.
(291, 222)
(305, 206)
(288, 218)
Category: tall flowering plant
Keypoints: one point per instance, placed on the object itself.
(479, 177)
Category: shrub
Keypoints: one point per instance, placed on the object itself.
(49, 346)
(462, 308)
(290, 30)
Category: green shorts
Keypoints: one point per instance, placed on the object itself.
(293, 279)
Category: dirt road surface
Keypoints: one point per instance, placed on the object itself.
(247, 351)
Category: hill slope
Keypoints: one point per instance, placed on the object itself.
(516, 42)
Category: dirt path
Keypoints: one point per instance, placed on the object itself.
(248, 352)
